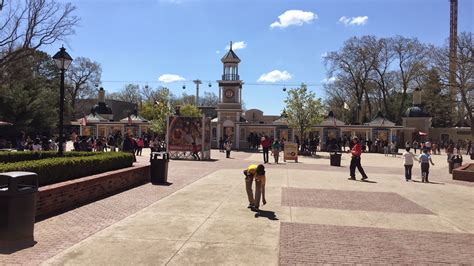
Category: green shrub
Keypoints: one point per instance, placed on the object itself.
(20, 156)
(55, 170)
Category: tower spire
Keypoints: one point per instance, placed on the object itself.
(231, 45)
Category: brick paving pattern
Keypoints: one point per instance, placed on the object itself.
(349, 200)
(302, 244)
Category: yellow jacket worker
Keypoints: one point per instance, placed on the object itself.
(256, 172)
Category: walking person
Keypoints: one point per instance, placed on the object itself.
(385, 148)
(228, 148)
(469, 145)
(265, 142)
(355, 161)
(276, 147)
(221, 144)
(408, 158)
(129, 146)
(425, 160)
(140, 145)
(195, 152)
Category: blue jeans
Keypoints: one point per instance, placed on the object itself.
(408, 171)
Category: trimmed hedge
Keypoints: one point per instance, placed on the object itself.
(20, 156)
(59, 169)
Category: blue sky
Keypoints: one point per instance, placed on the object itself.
(138, 41)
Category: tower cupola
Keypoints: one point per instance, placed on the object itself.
(231, 65)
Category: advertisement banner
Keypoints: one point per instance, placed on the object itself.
(291, 151)
(206, 149)
(183, 131)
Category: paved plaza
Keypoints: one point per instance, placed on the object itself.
(314, 215)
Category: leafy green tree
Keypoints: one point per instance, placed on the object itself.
(30, 98)
(189, 110)
(158, 111)
(434, 100)
(303, 109)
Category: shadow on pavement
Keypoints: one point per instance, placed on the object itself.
(163, 184)
(267, 214)
(8, 248)
(368, 181)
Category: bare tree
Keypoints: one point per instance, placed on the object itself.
(384, 56)
(412, 59)
(354, 63)
(30, 24)
(209, 99)
(83, 75)
(464, 70)
(129, 93)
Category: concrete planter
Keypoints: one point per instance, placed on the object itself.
(70, 194)
(461, 173)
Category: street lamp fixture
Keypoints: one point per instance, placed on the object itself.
(63, 61)
(1, 4)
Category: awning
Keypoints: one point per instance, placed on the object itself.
(422, 133)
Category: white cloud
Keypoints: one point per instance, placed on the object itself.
(218, 52)
(274, 76)
(354, 21)
(237, 45)
(323, 55)
(329, 80)
(293, 17)
(168, 78)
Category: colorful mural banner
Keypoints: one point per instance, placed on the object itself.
(183, 131)
(291, 151)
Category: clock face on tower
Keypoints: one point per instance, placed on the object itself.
(229, 93)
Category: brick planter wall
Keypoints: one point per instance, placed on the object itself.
(70, 194)
(461, 174)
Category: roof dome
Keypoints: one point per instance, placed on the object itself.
(415, 111)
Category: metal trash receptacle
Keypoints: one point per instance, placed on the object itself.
(18, 191)
(159, 167)
(335, 158)
(456, 161)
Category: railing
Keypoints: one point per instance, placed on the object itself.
(230, 77)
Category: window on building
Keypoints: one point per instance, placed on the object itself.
(214, 133)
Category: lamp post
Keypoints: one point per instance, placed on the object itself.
(63, 60)
(1, 4)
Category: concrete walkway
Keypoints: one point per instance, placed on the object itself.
(314, 215)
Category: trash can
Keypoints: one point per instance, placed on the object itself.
(18, 192)
(159, 167)
(335, 158)
(457, 161)
(454, 162)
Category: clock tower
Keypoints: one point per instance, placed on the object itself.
(229, 108)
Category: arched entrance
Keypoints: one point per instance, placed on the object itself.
(228, 130)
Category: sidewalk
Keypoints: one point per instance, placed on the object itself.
(322, 218)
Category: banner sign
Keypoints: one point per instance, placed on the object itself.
(183, 131)
(290, 151)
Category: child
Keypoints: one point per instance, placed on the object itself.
(195, 152)
(408, 163)
(425, 159)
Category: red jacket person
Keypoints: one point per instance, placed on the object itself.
(355, 161)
